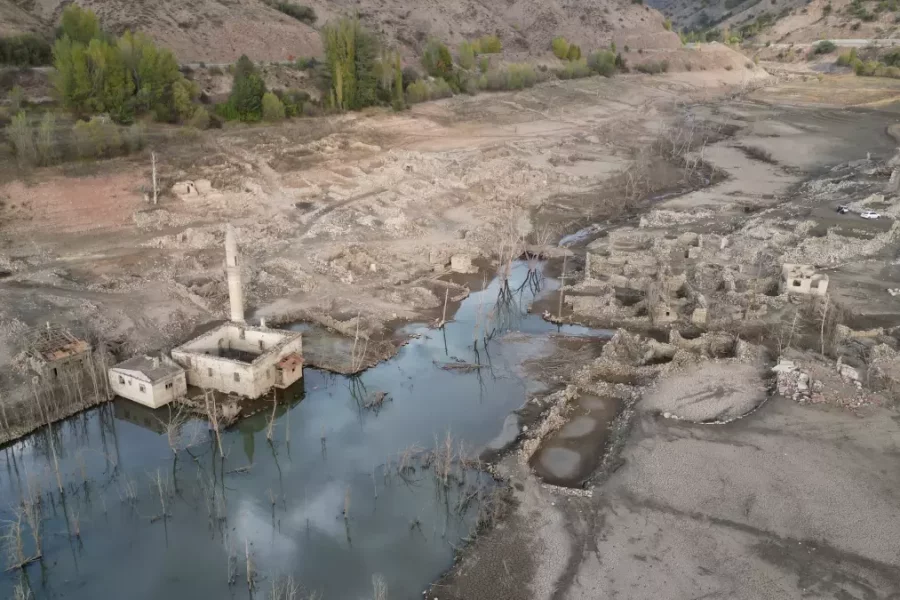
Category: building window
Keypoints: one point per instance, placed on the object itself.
(169, 386)
(237, 376)
(796, 283)
(261, 345)
(121, 380)
(141, 387)
(209, 371)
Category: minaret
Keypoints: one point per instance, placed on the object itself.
(233, 271)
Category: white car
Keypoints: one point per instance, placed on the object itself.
(869, 214)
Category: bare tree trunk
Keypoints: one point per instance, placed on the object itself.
(155, 191)
(46, 416)
(822, 329)
(562, 284)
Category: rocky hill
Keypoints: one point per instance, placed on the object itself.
(221, 30)
(787, 21)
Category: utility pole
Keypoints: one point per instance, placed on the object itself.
(153, 159)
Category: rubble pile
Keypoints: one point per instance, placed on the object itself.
(796, 384)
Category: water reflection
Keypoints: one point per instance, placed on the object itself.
(329, 491)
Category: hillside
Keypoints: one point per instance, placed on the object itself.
(221, 30)
(787, 21)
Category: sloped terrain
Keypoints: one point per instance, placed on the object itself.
(221, 30)
(787, 21)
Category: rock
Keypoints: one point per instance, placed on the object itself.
(848, 373)
(462, 263)
(204, 186)
(785, 366)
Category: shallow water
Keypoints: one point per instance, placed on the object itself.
(327, 453)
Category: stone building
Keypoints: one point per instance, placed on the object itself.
(53, 349)
(236, 358)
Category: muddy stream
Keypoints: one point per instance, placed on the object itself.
(327, 501)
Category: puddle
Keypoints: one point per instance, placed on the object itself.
(284, 499)
(569, 456)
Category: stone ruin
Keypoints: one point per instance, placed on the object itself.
(188, 190)
(802, 279)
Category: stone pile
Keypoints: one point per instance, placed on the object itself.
(794, 383)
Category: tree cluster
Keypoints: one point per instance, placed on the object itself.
(26, 50)
(123, 77)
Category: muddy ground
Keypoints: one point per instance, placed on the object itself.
(784, 497)
(786, 501)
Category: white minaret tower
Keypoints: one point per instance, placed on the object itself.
(233, 271)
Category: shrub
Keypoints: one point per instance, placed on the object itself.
(272, 107)
(215, 70)
(847, 58)
(667, 24)
(301, 13)
(513, 77)
(294, 102)
(410, 75)
(135, 137)
(484, 64)
(422, 90)
(574, 53)
(575, 69)
(16, 99)
(892, 57)
(490, 44)
(655, 67)
(560, 47)
(200, 119)
(22, 140)
(46, 143)
(827, 10)
(26, 50)
(603, 62)
(96, 138)
(437, 60)
(306, 63)
(466, 55)
(824, 47)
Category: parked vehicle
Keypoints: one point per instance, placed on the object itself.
(843, 209)
(869, 214)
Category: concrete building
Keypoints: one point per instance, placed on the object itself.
(239, 359)
(150, 381)
(235, 358)
(802, 279)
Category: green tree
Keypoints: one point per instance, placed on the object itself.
(437, 60)
(272, 107)
(79, 24)
(560, 47)
(466, 55)
(247, 91)
(351, 56)
(398, 100)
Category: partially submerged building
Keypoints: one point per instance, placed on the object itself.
(802, 279)
(236, 358)
(147, 380)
